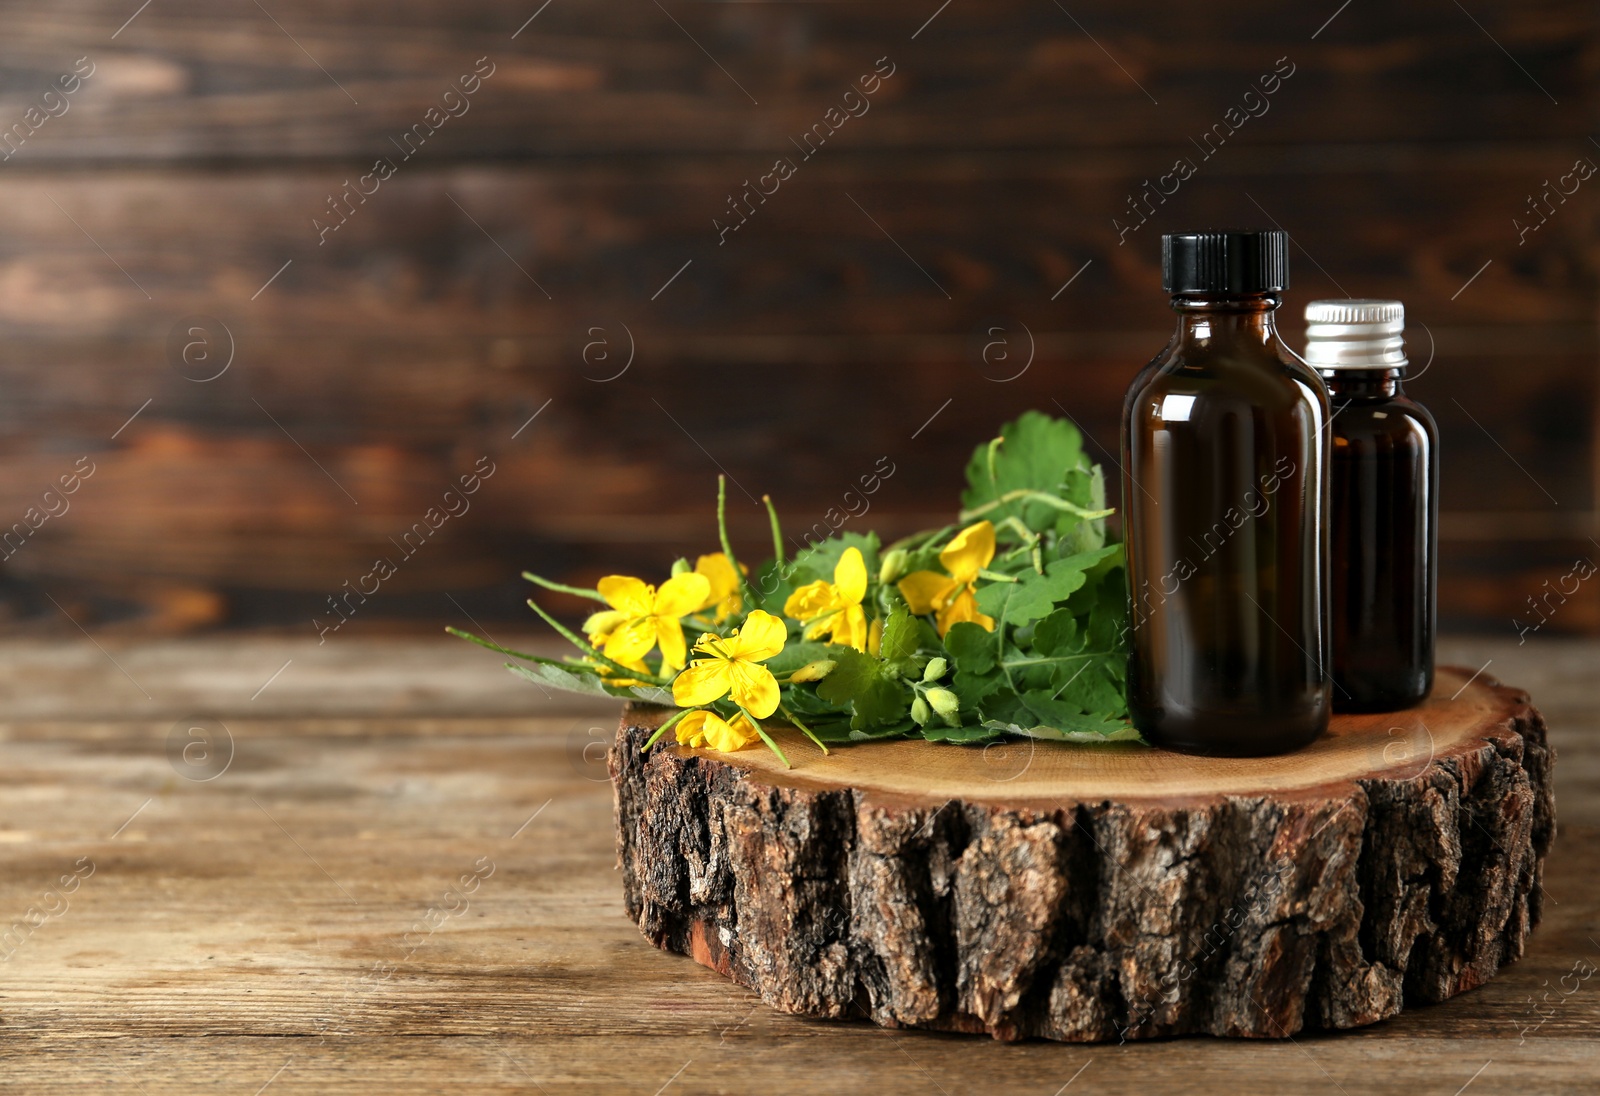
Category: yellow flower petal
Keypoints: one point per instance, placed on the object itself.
(719, 572)
(601, 624)
(762, 636)
(813, 671)
(847, 627)
(669, 634)
(730, 735)
(926, 591)
(874, 637)
(754, 688)
(969, 551)
(963, 608)
(627, 595)
(852, 628)
(691, 728)
(705, 681)
(850, 577)
(637, 667)
(811, 600)
(702, 729)
(631, 641)
(681, 595)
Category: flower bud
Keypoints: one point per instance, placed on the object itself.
(920, 712)
(813, 671)
(680, 566)
(893, 566)
(944, 701)
(935, 669)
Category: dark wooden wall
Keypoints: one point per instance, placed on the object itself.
(472, 288)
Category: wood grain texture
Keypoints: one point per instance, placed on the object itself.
(1102, 894)
(195, 80)
(209, 952)
(459, 298)
(373, 370)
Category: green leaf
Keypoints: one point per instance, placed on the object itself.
(893, 730)
(1057, 634)
(900, 637)
(1036, 595)
(833, 730)
(556, 678)
(1035, 453)
(1088, 490)
(795, 655)
(908, 643)
(1055, 710)
(1090, 688)
(1108, 618)
(972, 647)
(961, 735)
(586, 684)
(1084, 730)
(804, 701)
(864, 683)
(975, 689)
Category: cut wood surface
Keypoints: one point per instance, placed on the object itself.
(251, 930)
(1088, 893)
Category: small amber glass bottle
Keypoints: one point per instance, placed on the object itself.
(1225, 499)
(1384, 524)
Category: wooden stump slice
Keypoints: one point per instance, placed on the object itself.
(1088, 893)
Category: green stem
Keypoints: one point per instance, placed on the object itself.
(1035, 496)
(922, 539)
(777, 532)
(792, 718)
(1000, 646)
(995, 576)
(587, 648)
(993, 453)
(771, 745)
(561, 588)
(661, 730)
(1054, 659)
(560, 664)
(470, 638)
(1032, 543)
(727, 545)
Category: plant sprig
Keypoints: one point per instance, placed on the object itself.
(1028, 641)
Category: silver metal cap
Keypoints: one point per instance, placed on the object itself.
(1355, 334)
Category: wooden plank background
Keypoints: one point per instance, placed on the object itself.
(840, 330)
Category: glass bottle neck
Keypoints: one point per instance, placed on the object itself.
(1363, 383)
(1243, 317)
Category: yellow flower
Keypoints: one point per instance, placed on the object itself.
(733, 666)
(642, 616)
(705, 728)
(614, 677)
(834, 608)
(724, 585)
(951, 596)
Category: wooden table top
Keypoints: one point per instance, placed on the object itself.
(404, 881)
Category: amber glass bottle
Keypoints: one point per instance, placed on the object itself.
(1225, 502)
(1384, 525)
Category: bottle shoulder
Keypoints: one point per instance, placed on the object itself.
(1250, 375)
(1392, 416)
